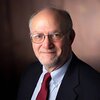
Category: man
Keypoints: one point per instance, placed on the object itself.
(52, 35)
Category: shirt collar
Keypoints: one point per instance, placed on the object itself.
(57, 75)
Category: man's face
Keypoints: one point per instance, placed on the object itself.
(49, 53)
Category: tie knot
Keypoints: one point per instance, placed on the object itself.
(47, 78)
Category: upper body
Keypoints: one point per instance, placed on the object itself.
(52, 35)
(80, 82)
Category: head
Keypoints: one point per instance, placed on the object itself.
(52, 36)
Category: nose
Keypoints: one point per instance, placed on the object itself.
(47, 43)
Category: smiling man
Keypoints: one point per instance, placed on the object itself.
(52, 34)
(50, 42)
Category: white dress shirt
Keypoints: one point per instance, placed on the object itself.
(56, 79)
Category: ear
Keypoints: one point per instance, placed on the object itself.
(72, 36)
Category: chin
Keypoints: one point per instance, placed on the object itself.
(50, 64)
(53, 61)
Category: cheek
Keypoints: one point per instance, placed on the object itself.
(59, 47)
(35, 49)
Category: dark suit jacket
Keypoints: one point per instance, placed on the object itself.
(81, 82)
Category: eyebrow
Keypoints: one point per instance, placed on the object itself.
(44, 32)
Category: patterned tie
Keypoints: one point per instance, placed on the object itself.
(44, 91)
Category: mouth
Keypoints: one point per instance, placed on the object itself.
(48, 51)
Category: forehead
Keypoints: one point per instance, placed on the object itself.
(46, 17)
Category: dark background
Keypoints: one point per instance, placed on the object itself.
(15, 45)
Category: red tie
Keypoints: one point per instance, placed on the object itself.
(44, 91)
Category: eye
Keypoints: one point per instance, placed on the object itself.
(56, 35)
(38, 36)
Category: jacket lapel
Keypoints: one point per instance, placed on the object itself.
(70, 82)
(32, 77)
(37, 70)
